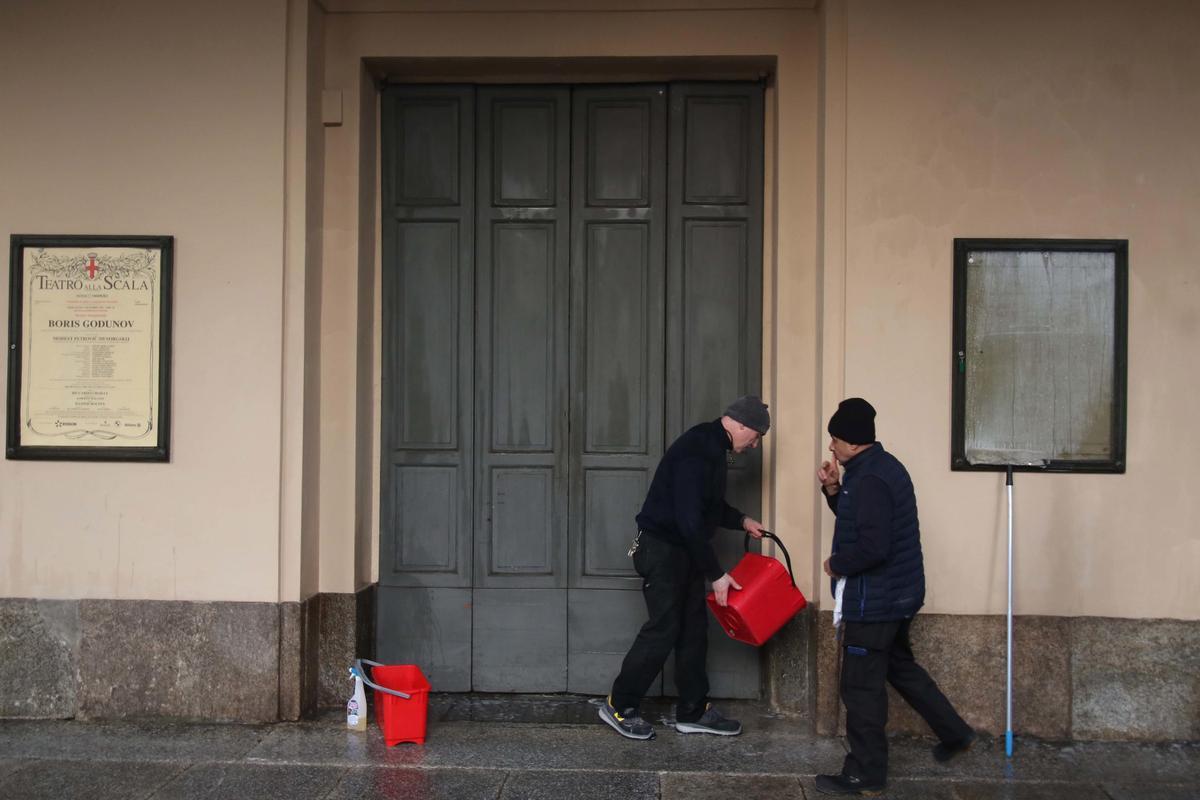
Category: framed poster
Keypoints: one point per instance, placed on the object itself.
(1040, 328)
(89, 348)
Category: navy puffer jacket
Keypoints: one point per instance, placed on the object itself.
(893, 589)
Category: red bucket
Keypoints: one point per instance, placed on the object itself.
(400, 719)
(767, 600)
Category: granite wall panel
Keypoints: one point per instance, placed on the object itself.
(1135, 679)
(213, 661)
(39, 644)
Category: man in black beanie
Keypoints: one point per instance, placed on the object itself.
(879, 585)
(683, 507)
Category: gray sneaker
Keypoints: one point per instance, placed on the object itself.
(628, 724)
(711, 721)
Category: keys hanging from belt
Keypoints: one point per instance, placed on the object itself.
(633, 547)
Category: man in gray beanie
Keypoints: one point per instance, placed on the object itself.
(879, 585)
(683, 507)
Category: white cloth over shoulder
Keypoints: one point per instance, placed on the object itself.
(837, 601)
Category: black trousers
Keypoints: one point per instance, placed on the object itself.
(875, 653)
(674, 593)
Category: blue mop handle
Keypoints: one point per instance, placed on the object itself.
(1008, 734)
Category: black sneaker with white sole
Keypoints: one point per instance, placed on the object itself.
(711, 721)
(628, 724)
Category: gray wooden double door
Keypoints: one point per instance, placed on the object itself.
(571, 278)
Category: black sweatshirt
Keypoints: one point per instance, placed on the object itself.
(686, 500)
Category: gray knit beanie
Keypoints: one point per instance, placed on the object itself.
(751, 412)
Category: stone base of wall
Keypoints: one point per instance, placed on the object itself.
(789, 667)
(39, 658)
(1085, 678)
(239, 662)
(1080, 678)
(347, 631)
(130, 658)
(299, 629)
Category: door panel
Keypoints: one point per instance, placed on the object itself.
(714, 331)
(733, 667)
(601, 625)
(427, 286)
(525, 127)
(428, 337)
(431, 130)
(608, 529)
(520, 640)
(718, 152)
(618, 301)
(521, 348)
(522, 351)
(714, 315)
(523, 534)
(620, 127)
(428, 331)
(430, 627)
(619, 272)
(425, 502)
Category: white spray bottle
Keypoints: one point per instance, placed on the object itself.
(356, 706)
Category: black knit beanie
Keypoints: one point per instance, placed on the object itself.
(853, 422)
(751, 412)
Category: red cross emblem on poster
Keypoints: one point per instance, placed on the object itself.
(92, 266)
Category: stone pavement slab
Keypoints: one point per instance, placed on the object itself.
(128, 741)
(546, 709)
(390, 783)
(1025, 791)
(250, 782)
(1080, 762)
(689, 786)
(8, 765)
(1116, 761)
(1145, 792)
(51, 779)
(902, 790)
(548, 785)
(589, 746)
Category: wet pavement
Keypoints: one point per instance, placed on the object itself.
(553, 747)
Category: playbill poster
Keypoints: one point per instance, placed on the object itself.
(91, 348)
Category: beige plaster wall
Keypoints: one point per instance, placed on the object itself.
(152, 117)
(303, 232)
(934, 120)
(790, 35)
(1065, 119)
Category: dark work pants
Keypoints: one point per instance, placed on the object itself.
(875, 653)
(674, 593)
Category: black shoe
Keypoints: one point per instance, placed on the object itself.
(629, 724)
(849, 785)
(944, 751)
(711, 721)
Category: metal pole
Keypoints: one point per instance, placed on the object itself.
(1008, 731)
